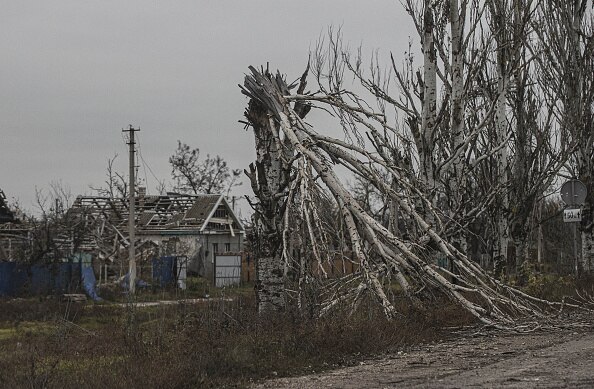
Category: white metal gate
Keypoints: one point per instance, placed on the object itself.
(227, 270)
(182, 267)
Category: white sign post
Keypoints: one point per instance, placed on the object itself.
(572, 215)
(573, 193)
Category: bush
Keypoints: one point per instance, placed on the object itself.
(198, 284)
(549, 286)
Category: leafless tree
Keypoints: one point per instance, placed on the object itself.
(464, 140)
(382, 256)
(56, 233)
(527, 165)
(565, 55)
(116, 183)
(191, 175)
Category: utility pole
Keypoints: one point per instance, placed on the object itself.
(131, 224)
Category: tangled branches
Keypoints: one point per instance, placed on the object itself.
(310, 187)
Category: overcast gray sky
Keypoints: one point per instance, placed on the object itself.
(74, 73)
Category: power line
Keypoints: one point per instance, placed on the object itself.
(146, 165)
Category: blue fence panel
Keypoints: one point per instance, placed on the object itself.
(41, 279)
(13, 278)
(7, 269)
(164, 270)
(20, 279)
(17, 279)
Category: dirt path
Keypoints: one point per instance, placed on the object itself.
(546, 359)
(166, 302)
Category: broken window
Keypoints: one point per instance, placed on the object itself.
(221, 212)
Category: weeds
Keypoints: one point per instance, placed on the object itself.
(220, 342)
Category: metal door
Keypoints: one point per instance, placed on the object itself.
(227, 270)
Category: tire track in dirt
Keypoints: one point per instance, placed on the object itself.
(544, 359)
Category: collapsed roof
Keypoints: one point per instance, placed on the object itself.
(177, 212)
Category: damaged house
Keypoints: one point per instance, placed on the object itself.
(198, 227)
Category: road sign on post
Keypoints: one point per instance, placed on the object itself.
(572, 215)
(573, 192)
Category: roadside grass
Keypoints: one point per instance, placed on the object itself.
(552, 286)
(197, 287)
(220, 343)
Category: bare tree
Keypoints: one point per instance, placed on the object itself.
(116, 183)
(565, 55)
(191, 175)
(437, 145)
(531, 157)
(56, 233)
(476, 146)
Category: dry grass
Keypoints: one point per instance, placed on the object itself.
(218, 344)
(46, 343)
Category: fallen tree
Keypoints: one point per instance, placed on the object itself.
(307, 160)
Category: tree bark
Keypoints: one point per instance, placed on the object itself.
(501, 241)
(269, 178)
(457, 122)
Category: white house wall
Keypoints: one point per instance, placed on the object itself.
(208, 242)
(198, 248)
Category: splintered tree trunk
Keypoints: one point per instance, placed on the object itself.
(268, 179)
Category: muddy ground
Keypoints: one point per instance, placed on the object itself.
(560, 356)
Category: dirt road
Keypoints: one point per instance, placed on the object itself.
(560, 358)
